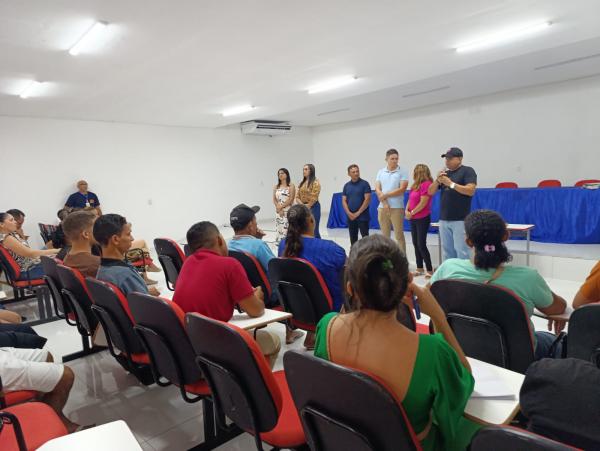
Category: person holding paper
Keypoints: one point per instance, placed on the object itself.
(429, 373)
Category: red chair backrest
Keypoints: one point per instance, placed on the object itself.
(75, 288)
(302, 290)
(331, 402)
(254, 270)
(9, 264)
(53, 281)
(237, 373)
(161, 324)
(550, 183)
(171, 258)
(118, 318)
(583, 182)
(506, 185)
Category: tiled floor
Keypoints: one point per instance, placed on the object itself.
(158, 416)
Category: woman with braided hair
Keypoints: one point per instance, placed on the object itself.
(328, 257)
(486, 233)
(428, 374)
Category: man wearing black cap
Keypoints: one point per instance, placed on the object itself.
(246, 239)
(457, 184)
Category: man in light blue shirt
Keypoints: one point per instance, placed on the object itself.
(390, 185)
(243, 221)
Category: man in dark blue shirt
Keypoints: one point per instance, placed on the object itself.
(355, 200)
(83, 198)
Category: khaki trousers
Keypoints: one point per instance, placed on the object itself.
(270, 344)
(395, 218)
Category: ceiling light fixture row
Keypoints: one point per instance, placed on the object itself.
(321, 87)
(91, 38)
(96, 33)
(504, 36)
(485, 41)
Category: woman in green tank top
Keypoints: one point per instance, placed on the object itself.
(428, 373)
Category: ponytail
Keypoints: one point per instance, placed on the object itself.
(486, 229)
(298, 216)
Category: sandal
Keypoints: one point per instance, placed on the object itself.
(293, 336)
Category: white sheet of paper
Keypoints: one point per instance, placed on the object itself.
(488, 384)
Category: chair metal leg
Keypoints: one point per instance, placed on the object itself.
(87, 350)
(214, 436)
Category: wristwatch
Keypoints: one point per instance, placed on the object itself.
(452, 185)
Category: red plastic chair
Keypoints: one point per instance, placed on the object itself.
(333, 419)
(19, 280)
(506, 185)
(583, 182)
(171, 258)
(243, 386)
(302, 290)
(28, 426)
(550, 183)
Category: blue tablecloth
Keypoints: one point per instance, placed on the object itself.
(560, 215)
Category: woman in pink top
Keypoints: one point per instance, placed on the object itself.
(418, 212)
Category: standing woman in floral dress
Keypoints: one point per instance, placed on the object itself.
(283, 197)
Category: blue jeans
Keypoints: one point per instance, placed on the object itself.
(316, 212)
(452, 234)
(544, 343)
(35, 272)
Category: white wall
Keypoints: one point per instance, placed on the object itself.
(187, 174)
(550, 131)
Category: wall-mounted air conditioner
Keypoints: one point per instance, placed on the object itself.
(269, 128)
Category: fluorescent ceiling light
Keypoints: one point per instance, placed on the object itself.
(89, 38)
(504, 36)
(332, 84)
(238, 110)
(30, 89)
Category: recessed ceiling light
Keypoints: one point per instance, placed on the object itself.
(31, 88)
(237, 110)
(332, 84)
(90, 38)
(503, 36)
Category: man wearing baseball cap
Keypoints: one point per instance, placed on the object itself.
(247, 239)
(457, 184)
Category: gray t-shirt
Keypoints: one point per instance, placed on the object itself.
(121, 274)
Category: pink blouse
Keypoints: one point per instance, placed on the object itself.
(415, 196)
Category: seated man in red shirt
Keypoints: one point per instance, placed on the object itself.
(211, 283)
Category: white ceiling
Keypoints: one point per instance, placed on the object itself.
(182, 62)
